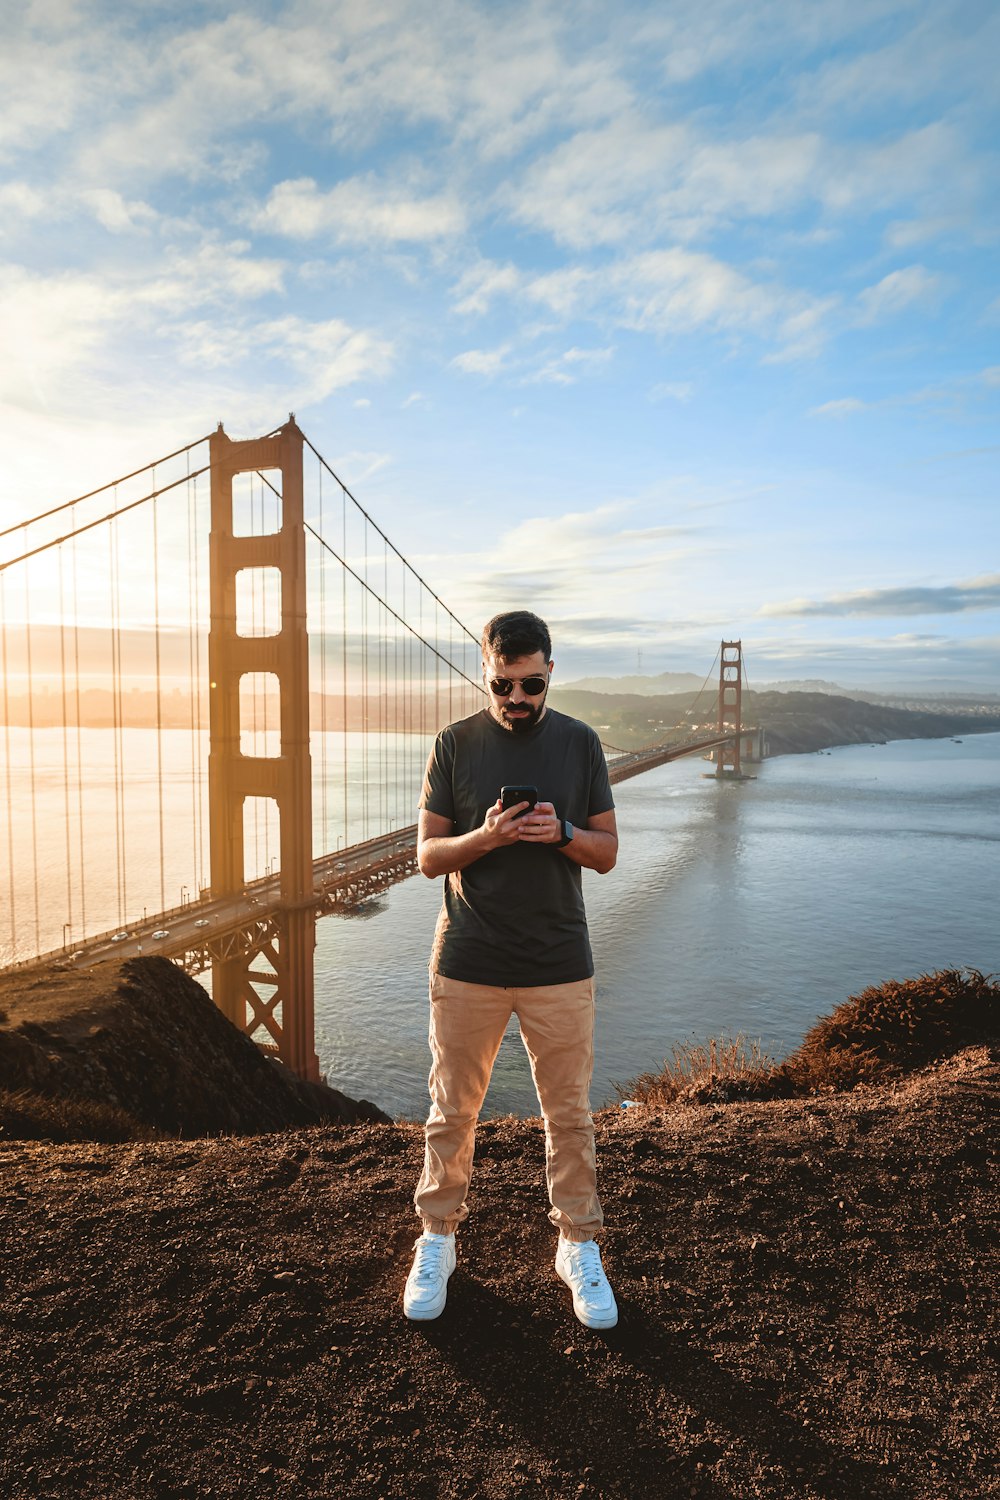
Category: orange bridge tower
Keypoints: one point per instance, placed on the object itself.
(730, 707)
(286, 941)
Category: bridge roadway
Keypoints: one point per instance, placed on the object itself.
(208, 928)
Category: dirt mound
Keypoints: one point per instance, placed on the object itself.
(807, 1295)
(126, 1051)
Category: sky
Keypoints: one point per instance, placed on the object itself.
(674, 322)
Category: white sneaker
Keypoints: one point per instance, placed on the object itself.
(427, 1284)
(580, 1267)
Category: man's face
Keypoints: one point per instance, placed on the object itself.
(517, 710)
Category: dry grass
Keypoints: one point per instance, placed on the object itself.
(723, 1068)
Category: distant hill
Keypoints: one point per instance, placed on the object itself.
(793, 722)
(806, 685)
(953, 694)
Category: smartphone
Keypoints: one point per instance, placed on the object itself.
(510, 796)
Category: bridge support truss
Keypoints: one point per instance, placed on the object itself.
(278, 998)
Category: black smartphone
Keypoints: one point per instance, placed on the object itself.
(510, 796)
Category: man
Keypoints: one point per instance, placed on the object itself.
(512, 939)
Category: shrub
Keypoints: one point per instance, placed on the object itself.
(888, 1029)
(896, 1026)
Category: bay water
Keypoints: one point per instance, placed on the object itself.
(750, 907)
(753, 907)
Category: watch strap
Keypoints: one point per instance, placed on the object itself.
(567, 833)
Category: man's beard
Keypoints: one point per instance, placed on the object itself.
(522, 722)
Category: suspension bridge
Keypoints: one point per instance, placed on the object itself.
(207, 750)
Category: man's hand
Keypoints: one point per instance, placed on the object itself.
(540, 826)
(502, 828)
(440, 851)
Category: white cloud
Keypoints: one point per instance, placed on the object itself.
(672, 390)
(53, 327)
(844, 407)
(71, 334)
(898, 290)
(116, 214)
(956, 598)
(323, 356)
(479, 285)
(359, 211)
(356, 467)
(552, 560)
(214, 271)
(680, 291)
(21, 201)
(992, 375)
(482, 361)
(562, 369)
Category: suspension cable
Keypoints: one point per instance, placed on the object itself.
(111, 484)
(89, 526)
(477, 685)
(382, 534)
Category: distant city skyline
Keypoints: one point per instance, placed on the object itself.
(675, 323)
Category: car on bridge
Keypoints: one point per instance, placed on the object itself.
(161, 932)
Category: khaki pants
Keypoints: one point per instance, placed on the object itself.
(466, 1028)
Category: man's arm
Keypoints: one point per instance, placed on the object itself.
(441, 851)
(594, 847)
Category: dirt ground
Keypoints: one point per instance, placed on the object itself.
(807, 1293)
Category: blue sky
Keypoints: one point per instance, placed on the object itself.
(673, 321)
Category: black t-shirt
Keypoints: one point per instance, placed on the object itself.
(515, 916)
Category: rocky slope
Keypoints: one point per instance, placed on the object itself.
(138, 1049)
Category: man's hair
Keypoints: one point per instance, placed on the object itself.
(516, 633)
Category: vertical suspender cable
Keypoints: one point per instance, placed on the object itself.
(199, 677)
(115, 719)
(79, 741)
(192, 674)
(383, 641)
(324, 735)
(31, 751)
(366, 639)
(159, 692)
(407, 703)
(11, 892)
(65, 742)
(343, 648)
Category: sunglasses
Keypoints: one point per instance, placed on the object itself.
(504, 686)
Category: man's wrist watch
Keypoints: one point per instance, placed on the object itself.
(567, 833)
